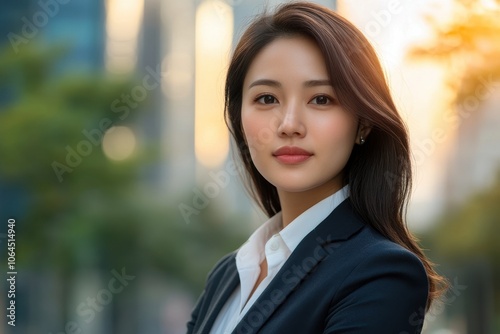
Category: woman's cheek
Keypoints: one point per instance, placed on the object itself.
(258, 131)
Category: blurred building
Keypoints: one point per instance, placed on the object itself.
(76, 25)
(474, 164)
(153, 40)
(182, 166)
(151, 127)
(81, 26)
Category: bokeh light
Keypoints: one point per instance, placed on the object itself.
(123, 24)
(214, 31)
(119, 143)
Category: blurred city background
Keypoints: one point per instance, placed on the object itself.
(117, 167)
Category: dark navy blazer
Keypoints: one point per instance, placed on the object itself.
(343, 277)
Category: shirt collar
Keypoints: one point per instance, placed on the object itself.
(251, 253)
(301, 226)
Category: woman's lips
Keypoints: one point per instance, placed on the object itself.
(291, 155)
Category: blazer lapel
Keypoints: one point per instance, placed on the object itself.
(229, 282)
(340, 225)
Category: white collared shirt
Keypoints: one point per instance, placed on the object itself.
(276, 246)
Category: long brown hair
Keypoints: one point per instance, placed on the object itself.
(378, 172)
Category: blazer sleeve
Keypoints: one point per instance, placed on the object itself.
(195, 313)
(386, 293)
(191, 324)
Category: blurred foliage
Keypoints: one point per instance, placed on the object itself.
(97, 216)
(471, 230)
(465, 240)
(42, 116)
(469, 44)
(466, 237)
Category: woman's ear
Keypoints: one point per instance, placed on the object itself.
(363, 132)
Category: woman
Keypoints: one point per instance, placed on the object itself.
(327, 158)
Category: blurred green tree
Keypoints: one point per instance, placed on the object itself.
(87, 212)
(465, 242)
(41, 126)
(471, 231)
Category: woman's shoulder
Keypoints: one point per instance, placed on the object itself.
(376, 245)
(222, 265)
(378, 284)
(378, 256)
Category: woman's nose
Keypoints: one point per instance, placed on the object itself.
(291, 123)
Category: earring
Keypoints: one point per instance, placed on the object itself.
(361, 140)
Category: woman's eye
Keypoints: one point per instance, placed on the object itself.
(266, 99)
(321, 99)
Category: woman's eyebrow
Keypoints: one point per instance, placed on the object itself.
(274, 83)
(265, 82)
(314, 83)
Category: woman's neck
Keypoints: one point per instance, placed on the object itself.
(293, 204)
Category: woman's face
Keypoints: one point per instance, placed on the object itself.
(299, 137)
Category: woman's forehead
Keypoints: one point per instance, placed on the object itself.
(289, 58)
